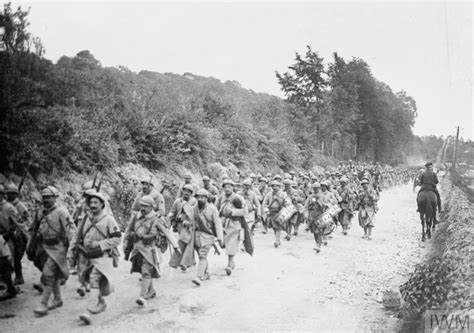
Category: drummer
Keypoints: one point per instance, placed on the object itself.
(276, 206)
(328, 200)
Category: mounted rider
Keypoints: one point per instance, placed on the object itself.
(428, 181)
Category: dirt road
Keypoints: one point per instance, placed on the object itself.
(289, 288)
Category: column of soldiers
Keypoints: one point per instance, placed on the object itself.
(200, 218)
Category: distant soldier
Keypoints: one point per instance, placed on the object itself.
(187, 181)
(145, 233)
(55, 231)
(96, 242)
(346, 203)
(148, 189)
(211, 189)
(253, 204)
(367, 208)
(231, 216)
(181, 221)
(273, 203)
(81, 209)
(20, 237)
(314, 209)
(208, 226)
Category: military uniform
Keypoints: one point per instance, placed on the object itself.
(230, 216)
(207, 226)
(253, 205)
(313, 210)
(273, 203)
(367, 209)
(180, 217)
(56, 230)
(148, 230)
(346, 203)
(159, 205)
(21, 239)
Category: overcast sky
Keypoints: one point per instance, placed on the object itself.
(423, 48)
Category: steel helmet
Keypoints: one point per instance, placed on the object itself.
(147, 200)
(202, 193)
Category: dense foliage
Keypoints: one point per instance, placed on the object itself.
(78, 115)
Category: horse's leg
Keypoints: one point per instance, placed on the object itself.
(429, 223)
(422, 227)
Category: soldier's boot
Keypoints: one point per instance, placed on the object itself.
(11, 289)
(57, 300)
(145, 285)
(201, 271)
(369, 233)
(38, 287)
(317, 239)
(42, 309)
(100, 306)
(277, 238)
(151, 291)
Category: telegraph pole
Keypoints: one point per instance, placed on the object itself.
(456, 149)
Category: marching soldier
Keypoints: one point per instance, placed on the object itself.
(96, 244)
(148, 189)
(81, 209)
(211, 189)
(367, 208)
(346, 203)
(208, 226)
(273, 203)
(187, 181)
(181, 221)
(253, 204)
(231, 215)
(145, 232)
(52, 231)
(314, 209)
(20, 237)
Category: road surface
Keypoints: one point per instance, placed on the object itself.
(289, 288)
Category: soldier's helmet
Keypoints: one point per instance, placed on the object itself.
(205, 178)
(287, 175)
(247, 182)
(50, 191)
(344, 180)
(259, 176)
(227, 182)
(287, 182)
(188, 187)
(294, 184)
(263, 179)
(276, 177)
(147, 200)
(316, 185)
(252, 175)
(202, 193)
(325, 183)
(12, 188)
(87, 186)
(275, 183)
(98, 195)
(364, 181)
(188, 176)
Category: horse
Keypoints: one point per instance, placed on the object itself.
(426, 201)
